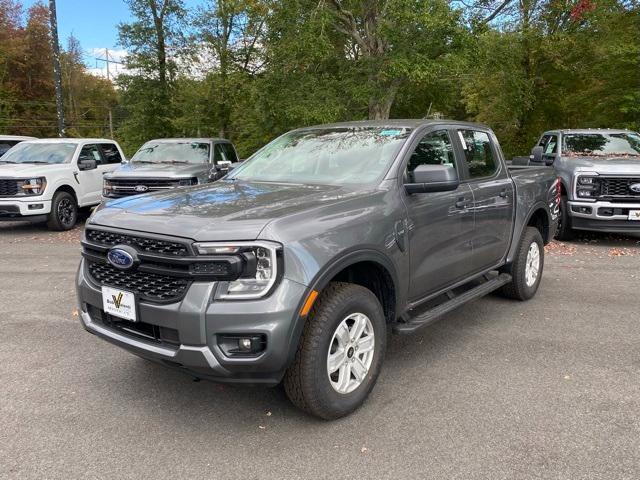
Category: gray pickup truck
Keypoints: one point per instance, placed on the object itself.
(600, 172)
(167, 163)
(296, 265)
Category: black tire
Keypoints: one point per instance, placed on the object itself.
(307, 381)
(64, 212)
(518, 288)
(565, 231)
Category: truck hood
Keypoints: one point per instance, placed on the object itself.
(158, 170)
(221, 211)
(26, 170)
(606, 165)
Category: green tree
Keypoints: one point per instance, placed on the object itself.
(153, 41)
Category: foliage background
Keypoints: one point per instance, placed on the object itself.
(249, 70)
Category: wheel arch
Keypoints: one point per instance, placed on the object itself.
(65, 187)
(355, 267)
(348, 264)
(539, 218)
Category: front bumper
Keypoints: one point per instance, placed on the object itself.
(603, 216)
(33, 209)
(199, 322)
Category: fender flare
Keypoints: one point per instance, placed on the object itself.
(324, 276)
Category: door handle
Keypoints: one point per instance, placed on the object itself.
(503, 193)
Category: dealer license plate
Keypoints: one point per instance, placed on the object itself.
(634, 214)
(119, 303)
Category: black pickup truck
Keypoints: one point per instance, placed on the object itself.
(296, 265)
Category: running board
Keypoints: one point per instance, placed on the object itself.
(434, 314)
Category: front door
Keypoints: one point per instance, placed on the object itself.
(493, 197)
(90, 181)
(440, 224)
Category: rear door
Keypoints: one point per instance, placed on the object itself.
(493, 195)
(440, 223)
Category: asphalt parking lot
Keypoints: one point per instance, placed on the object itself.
(498, 389)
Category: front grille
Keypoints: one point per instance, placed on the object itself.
(8, 187)
(149, 245)
(147, 286)
(125, 187)
(618, 187)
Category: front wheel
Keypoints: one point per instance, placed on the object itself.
(340, 353)
(526, 269)
(564, 231)
(64, 212)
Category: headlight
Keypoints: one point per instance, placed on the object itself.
(260, 270)
(32, 186)
(587, 187)
(107, 188)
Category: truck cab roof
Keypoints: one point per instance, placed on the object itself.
(400, 123)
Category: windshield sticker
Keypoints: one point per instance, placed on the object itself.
(390, 133)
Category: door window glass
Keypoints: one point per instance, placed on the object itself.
(229, 152)
(91, 152)
(478, 153)
(435, 148)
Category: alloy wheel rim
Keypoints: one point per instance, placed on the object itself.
(350, 353)
(65, 212)
(532, 265)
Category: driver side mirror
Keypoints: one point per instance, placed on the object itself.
(223, 166)
(87, 164)
(536, 155)
(220, 169)
(432, 178)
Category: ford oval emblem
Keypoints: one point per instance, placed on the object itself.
(141, 188)
(635, 187)
(120, 258)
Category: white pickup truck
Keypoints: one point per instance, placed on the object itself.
(50, 179)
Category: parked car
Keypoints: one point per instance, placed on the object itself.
(49, 179)
(296, 265)
(8, 141)
(600, 172)
(171, 162)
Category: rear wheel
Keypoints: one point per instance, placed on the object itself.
(565, 231)
(526, 269)
(64, 212)
(340, 353)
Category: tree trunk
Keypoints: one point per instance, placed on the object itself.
(381, 101)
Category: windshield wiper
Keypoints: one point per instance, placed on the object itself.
(175, 161)
(36, 161)
(6, 161)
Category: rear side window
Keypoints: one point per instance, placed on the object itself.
(111, 153)
(478, 153)
(91, 152)
(435, 148)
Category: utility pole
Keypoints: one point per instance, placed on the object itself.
(57, 73)
(107, 60)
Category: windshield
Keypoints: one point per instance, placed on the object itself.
(601, 144)
(334, 156)
(172, 152)
(40, 153)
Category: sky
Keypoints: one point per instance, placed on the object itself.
(94, 23)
